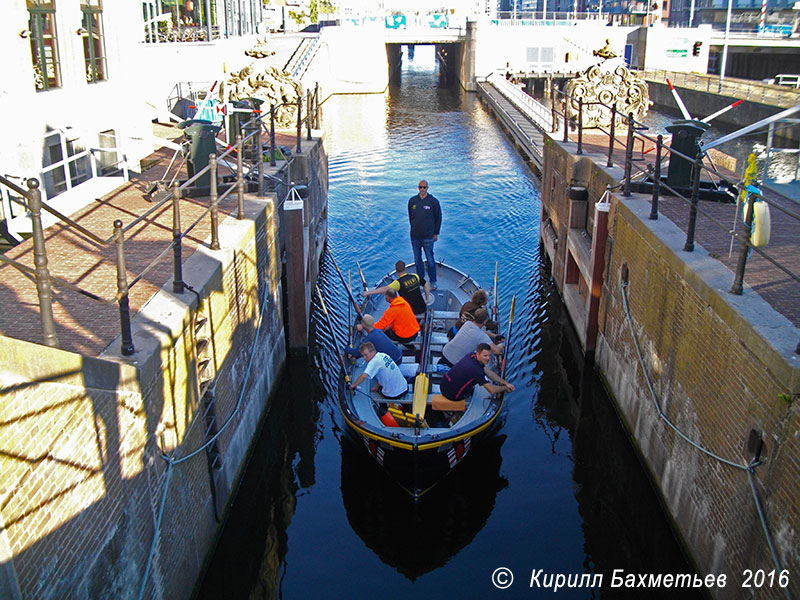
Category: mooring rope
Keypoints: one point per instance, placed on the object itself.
(749, 468)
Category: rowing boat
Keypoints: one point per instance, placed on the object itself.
(426, 444)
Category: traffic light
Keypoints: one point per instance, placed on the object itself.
(696, 48)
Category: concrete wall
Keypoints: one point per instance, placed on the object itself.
(670, 48)
(720, 365)
(82, 439)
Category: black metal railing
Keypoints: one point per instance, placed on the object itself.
(652, 173)
(33, 200)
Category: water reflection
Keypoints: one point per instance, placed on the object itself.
(418, 538)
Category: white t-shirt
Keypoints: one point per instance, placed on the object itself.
(387, 373)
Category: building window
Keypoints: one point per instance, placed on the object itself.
(66, 163)
(44, 44)
(94, 51)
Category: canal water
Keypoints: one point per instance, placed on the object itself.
(558, 491)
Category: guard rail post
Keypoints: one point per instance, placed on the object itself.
(689, 247)
(212, 168)
(566, 119)
(259, 157)
(628, 156)
(299, 123)
(580, 125)
(239, 179)
(656, 179)
(610, 161)
(122, 292)
(308, 115)
(43, 287)
(272, 135)
(177, 251)
(738, 279)
(316, 105)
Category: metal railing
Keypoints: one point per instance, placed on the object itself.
(33, 199)
(754, 91)
(633, 171)
(535, 111)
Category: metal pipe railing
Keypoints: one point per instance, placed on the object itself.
(35, 206)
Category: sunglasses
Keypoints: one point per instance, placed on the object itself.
(423, 187)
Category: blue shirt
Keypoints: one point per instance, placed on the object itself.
(424, 216)
(382, 344)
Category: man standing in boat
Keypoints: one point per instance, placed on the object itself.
(425, 218)
(398, 321)
(409, 286)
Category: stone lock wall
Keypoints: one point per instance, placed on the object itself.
(81, 439)
(721, 367)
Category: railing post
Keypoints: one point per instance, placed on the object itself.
(260, 158)
(580, 125)
(212, 168)
(43, 288)
(308, 115)
(126, 346)
(738, 280)
(628, 156)
(239, 179)
(316, 105)
(610, 161)
(566, 119)
(689, 247)
(656, 179)
(271, 135)
(177, 264)
(299, 124)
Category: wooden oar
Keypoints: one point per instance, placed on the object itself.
(344, 283)
(339, 355)
(508, 337)
(361, 274)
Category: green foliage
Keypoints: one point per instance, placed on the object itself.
(313, 10)
(326, 7)
(298, 17)
(786, 398)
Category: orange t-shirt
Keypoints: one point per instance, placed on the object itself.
(400, 317)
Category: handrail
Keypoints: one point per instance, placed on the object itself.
(539, 114)
(634, 132)
(35, 206)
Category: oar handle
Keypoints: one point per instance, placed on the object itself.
(361, 274)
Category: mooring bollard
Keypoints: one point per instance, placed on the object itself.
(122, 291)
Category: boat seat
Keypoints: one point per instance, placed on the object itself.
(439, 339)
(446, 314)
(405, 419)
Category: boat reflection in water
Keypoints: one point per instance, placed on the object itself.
(416, 538)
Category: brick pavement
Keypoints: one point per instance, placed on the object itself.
(84, 325)
(775, 286)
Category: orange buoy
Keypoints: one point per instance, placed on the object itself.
(388, 420)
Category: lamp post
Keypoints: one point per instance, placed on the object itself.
(725, 46)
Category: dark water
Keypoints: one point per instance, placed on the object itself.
(559, 489)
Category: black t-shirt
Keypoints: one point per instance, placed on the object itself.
(410, 291)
